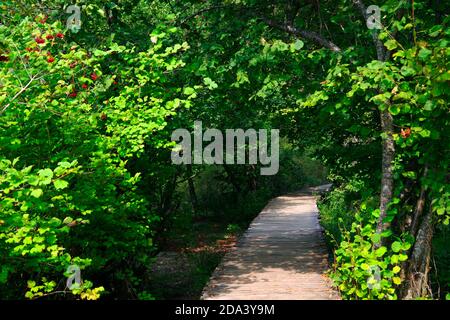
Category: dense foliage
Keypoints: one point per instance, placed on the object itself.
(72, 121)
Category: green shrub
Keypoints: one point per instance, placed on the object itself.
(363, 271)
(67, 193)
(338, 208)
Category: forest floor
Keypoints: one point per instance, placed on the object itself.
(180, 271)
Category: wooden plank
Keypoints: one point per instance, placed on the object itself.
(282, 255)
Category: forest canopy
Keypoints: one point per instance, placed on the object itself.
(89, 100)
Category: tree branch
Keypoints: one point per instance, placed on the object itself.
(419, 206)
(23, 89)
(310, 35)
(202, 11)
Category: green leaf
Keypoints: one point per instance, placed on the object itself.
(424, 53)
(394, 109)
(394, 258)
(380, 251)
(406, 246)
(365, 266)
(425, 133)
(210, 83)
(67, 220)
(391, 44)
(99, 53)
(376, 237)
(409, 174)
(4, 274)
(381, 98)
(25, 206)
(60, 184)
(37, 193)
(297, 45)
(397, 280)
(429, 105)
(402, 95)
(188, 91)
(396, 246)
(402, 257)
(407, 71)
(434, 32)
(33, 180)
(45, 176)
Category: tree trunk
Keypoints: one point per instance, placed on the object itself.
(387, 180)
(419, 207)
(387, 124)
(417, 281)
(192, 193)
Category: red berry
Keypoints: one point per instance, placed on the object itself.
(39, 40)
(73, 94)
(43, 20)
(60, 35)
(50, 59)
(49, 37)
(84, 86)
(94, 76)
(405, 133)
(115, 82)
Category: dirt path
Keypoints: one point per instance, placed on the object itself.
(281, 256)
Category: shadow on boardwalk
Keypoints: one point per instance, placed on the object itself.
(281, 256)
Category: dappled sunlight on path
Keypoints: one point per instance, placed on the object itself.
(281, 256)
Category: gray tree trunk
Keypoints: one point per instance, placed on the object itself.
(387, 180)
(417, 274)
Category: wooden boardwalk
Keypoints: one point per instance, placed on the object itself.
(281, 256)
